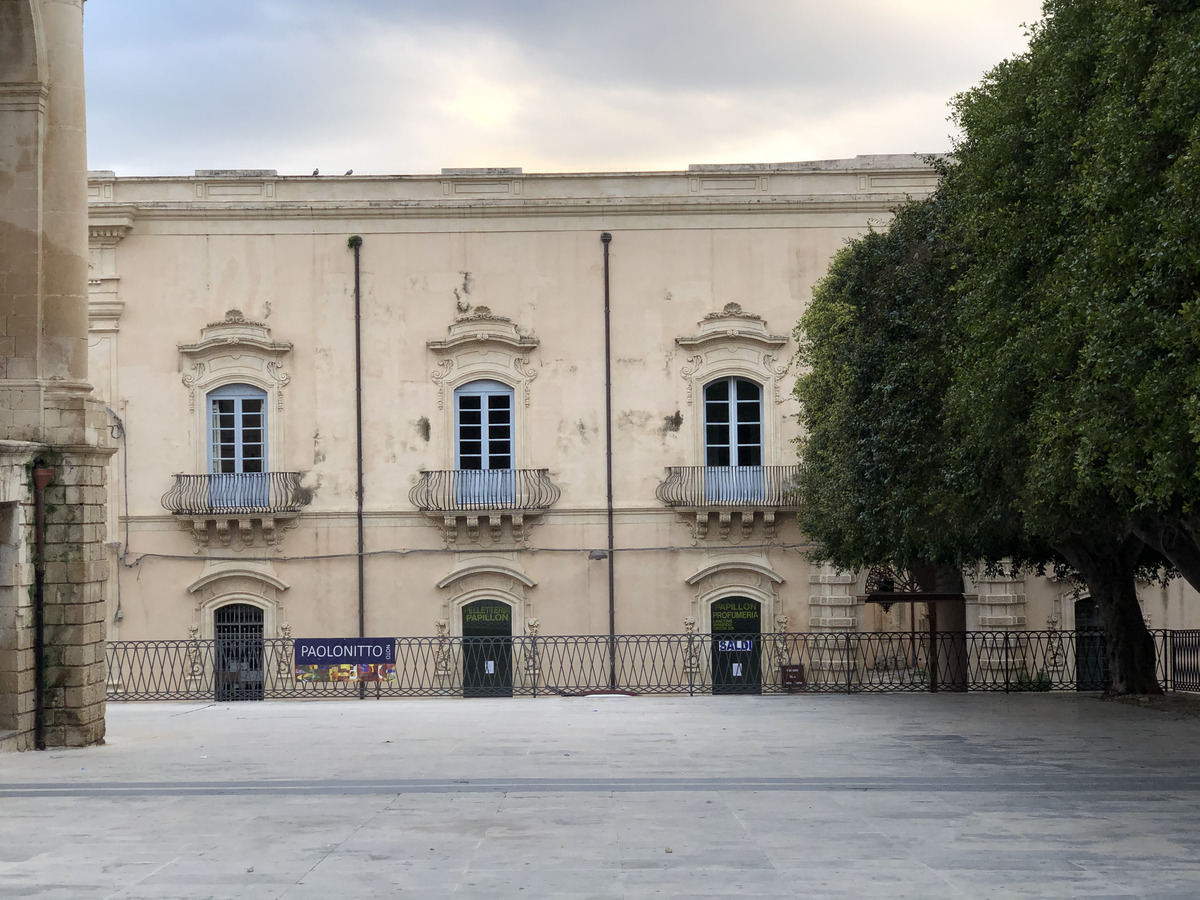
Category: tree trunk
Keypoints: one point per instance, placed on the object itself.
(953, 661)
(1107, 566)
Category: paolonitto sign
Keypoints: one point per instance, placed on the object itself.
(345, 651)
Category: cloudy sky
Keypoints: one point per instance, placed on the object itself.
(411, 86)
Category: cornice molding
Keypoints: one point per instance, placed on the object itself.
(105, 315)
(452, 210)
(108, 224)
(496, 567)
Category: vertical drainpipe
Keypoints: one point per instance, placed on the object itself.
(606, 239)
(355, 244)
(42, 476)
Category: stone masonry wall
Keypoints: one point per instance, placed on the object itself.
(16, 595)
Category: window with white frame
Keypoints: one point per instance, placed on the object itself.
(733, 423)
(733, 440)
(483, 442)
(237, 446)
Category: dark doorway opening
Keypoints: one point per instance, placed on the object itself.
(487, 649)
(238, 630)
(736, 646)
(1090, 648)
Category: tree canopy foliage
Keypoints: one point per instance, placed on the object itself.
(1013, 369)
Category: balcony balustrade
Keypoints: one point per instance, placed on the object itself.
(464, 496)
(699, 492)
(246, 503)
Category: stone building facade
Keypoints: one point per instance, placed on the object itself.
(223, 339)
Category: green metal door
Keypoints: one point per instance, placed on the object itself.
(1091, 649)
(736, 646)
(487, 649)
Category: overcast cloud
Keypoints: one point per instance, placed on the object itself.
(411, 86)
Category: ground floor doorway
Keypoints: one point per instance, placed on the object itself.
(736, 624)
(487, 649)
(1090, 648)
(238, 648)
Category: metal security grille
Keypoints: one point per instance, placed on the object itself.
(238, 651)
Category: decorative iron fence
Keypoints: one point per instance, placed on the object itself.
(483, 489)
(1184, 655)
(242, 493)
(1011, 661)
(773, 487)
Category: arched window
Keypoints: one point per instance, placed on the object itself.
(733, 446)
(237, 430)
(483, 443)
(237, 447)
(483, 424)
(733, 423)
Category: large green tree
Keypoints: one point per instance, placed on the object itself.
(881, 475)
(1074, 298)
(1012, 369)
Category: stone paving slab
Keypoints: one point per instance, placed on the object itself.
(901, 796)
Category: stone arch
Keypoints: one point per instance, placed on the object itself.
(735, 343)
(483, 346)
(481, 578)
(737, 576)
(22, 42)
(225, 582)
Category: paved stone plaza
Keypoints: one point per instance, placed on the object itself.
(895, 796)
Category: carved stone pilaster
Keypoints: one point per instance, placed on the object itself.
(833, 604)
(1000, 600)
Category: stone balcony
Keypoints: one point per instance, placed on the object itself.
(249, 507)
(461, 500)
(749, 494)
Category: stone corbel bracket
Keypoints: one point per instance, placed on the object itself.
(698, 519)
(485, 527)
(238, 532)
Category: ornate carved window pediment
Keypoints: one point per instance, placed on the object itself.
(482, 345)
(732, 343)
(235, 350)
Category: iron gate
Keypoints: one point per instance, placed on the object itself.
(238, 650)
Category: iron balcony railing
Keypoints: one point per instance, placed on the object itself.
(772, 487)
(453, 490)
(236, 494)
(776, 663)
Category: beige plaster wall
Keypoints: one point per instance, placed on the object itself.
(527, 247)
